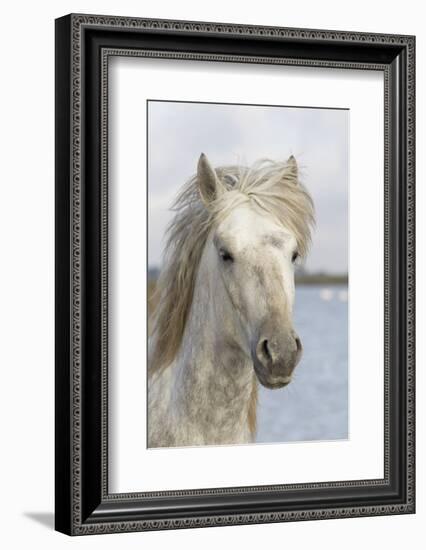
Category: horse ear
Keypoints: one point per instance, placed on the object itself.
(294, 169)
(209, 184)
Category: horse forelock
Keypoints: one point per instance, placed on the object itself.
(272, 187)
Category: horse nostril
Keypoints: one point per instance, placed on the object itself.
(265, 349)
(298, 344)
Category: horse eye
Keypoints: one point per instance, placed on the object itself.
(225, 255)
(295, 256)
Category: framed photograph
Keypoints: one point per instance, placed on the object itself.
(234, 274)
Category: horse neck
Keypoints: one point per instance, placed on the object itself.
(214, 376)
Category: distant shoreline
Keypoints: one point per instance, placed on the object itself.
(300, 278)
(319, 279)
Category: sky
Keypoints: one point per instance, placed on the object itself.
(179, 132)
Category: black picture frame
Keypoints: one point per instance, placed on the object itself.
(83, 45)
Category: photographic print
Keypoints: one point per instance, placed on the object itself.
(247, 274)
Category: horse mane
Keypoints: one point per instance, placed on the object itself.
(269, 186)
(252, 410)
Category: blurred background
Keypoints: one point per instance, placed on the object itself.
(315, 405)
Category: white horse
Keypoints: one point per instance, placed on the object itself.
(225, 299)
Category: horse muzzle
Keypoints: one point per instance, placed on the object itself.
(275, 358)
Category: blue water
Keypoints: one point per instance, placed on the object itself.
(315, 405)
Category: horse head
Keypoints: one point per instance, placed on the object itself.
(259, 230)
